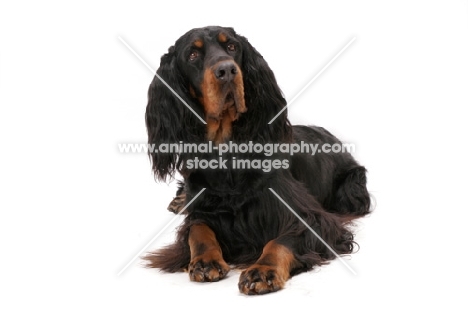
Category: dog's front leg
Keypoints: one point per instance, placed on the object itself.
(270, 272)
(206, 259)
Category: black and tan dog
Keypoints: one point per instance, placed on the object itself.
(237, 220)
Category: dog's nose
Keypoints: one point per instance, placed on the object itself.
(225, 71)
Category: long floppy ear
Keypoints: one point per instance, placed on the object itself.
(264, 100)
(168, 120)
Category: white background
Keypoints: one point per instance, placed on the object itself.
(74, 211)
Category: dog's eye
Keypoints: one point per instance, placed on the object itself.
(231, 47)
(193, 55)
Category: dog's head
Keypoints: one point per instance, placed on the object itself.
(212, 85)
(211, 60)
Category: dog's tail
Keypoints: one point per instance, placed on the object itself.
(351, 198)
(172, 258)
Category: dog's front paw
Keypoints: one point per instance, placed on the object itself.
(204, 268)
(261, 279)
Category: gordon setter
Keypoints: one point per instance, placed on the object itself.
(237, 221)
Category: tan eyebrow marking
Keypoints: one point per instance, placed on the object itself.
(222, 37)
(198, 43)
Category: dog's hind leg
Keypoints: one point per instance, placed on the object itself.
(351, 197)
(178, 203)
